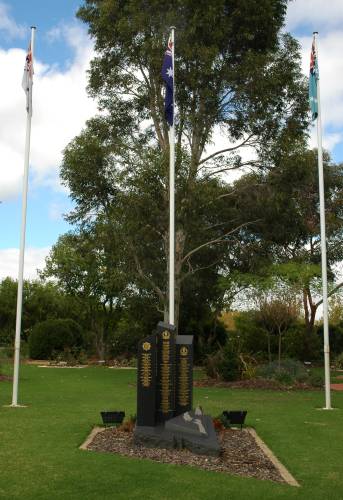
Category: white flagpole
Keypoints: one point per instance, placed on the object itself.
(323, 244)
(172, 199)
(22, 244)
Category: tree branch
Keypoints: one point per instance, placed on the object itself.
(193, 271)
(233, 148)
(252, 163)
(144, 276)
(216, 240)
(333, 291)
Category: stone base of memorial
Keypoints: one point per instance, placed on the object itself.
(191, 430)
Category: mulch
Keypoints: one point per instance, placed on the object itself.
(256, 383)
(336, 387)
(240, 454)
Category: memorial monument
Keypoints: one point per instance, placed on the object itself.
(165, 417)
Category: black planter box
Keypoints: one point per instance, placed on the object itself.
(112, 417)
(236, 417)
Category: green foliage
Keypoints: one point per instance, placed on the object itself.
(316, 380)
(209, 334)
(41, 301)
(225, 364)
(71, 355)
(336, 337)
(54, 336)
(287, 372)
(249, 366)
(123, 340)
(8, 298)
(339, 361)
(286, 234)
(297, 341)
(245, 77)
(301, 344)
(251, 336)
(7, 335)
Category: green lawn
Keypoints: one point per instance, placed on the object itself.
(40, 459)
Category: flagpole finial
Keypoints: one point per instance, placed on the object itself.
(315, 32)
(33, 27)
(173, 27)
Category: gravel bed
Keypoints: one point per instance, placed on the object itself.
(240, 454)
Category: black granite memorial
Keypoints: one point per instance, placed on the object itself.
(146, 383)
(165, 418)
(183, 374)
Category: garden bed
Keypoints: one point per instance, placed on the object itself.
(242, 453)
(255, 383)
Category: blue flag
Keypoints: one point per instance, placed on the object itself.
(168, 77)
(314, 75)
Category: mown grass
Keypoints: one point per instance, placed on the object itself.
(40, 459)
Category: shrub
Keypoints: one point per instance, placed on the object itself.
(336, 337)
(301, 344)
(6, 336)
(123, 339)
(316, 380)
(288, 372)
(284, 378)
(253, 338)
(339, 361)
(249, 367)
(225, 364)
(7, 352)
(54, 336)
(72, 356)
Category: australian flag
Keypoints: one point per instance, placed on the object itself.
(168, 77)
(314, 75)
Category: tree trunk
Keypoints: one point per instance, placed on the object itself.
(99, 339)
(269, 349)
(279, 353)
(180, 238)
(310, 309)
(310, 316)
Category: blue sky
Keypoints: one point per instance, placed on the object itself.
(61, 106)
(60, 109)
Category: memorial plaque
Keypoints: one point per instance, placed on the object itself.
(146, 382)
(183, 374)
(165, 371)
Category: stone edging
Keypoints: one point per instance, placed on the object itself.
(91, 436)
(285, 474)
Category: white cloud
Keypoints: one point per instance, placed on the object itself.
(57, 210)
(329, 140)
(34, 259)
(54, 34)
(319, 15)
(60, 109)
(8, 26)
